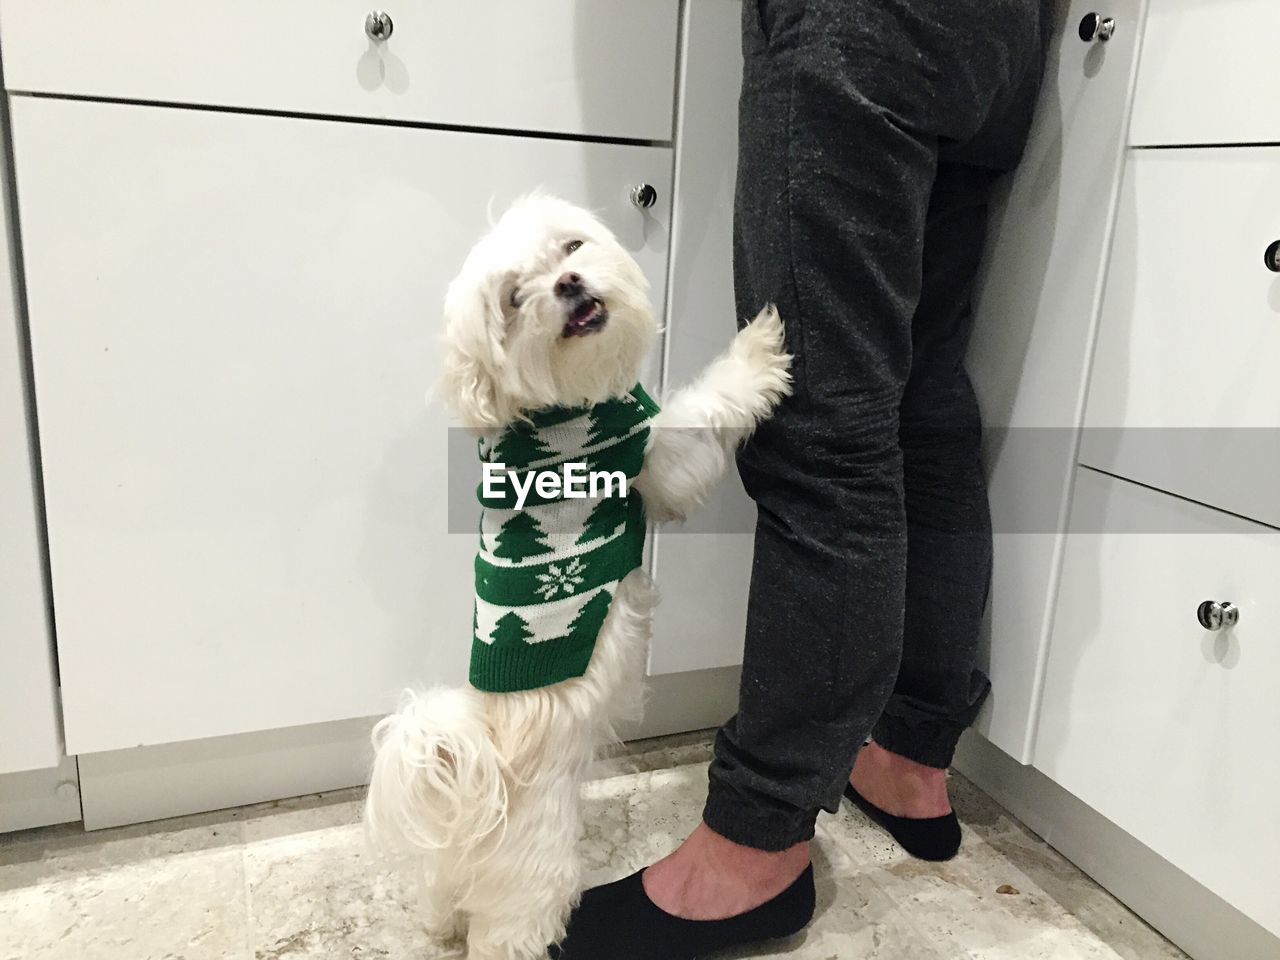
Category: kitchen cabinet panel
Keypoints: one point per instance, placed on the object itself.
(1209, 74)
(30, 736)
(704, 566)
(1161, 725)
(1184, 394)
(234, 321)
(1036, 307)
(604, 68)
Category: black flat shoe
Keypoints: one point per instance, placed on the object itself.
(618, 921)
(925, 838)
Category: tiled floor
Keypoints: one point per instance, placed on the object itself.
(293, 881)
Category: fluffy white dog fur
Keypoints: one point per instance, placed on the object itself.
(481, 789)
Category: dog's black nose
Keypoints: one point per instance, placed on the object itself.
(569, 286)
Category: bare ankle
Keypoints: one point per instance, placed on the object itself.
(900, 786)
(709, 877)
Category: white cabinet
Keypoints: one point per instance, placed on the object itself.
(1148, 295)
(1127, 323)
(1036, 309)
(29, 729)
(234, 320)
(1210, 74)
(704, 567)
(1185, 395)
(602, 68)
(1162, 726)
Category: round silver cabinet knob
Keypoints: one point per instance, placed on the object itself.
(378, 25)
(1216, 616)
(644, 196)
(1272, 257)
(1094, 26)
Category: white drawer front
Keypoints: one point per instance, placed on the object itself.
(234, 321)
(1210, 73)
(595, 67)
(1162, 726)
(1185, 389)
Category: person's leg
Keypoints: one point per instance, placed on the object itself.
(844, 121)
(829, 221)
(939, 688)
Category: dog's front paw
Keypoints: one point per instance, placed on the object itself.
(760, 348)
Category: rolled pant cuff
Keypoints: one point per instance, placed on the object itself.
(932, 744)
(769, 830)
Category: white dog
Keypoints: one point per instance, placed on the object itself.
(481, 788)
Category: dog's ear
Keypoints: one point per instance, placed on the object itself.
(472, 356)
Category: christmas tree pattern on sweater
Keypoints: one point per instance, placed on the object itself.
(546, 574)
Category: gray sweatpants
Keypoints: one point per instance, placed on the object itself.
(871, 133)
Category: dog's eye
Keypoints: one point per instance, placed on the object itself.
(514, 299)
(572, 245)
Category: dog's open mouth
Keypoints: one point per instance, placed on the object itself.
(587, 316)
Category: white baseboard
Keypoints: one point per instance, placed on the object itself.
(173, 779)
(1193, 917)
(679, 702)
(39, 798)
(170, 780)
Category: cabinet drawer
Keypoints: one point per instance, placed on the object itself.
(1184, 394)
(590, 67)
(1210, 73)
(1162, 726)
(234, 319)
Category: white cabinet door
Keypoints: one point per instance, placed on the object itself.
(1165, 728)
(1184, 394)
(704, 567)
(29, 734)
(1036, 307)
(601, 68)
(1210, 74)
(234, 321)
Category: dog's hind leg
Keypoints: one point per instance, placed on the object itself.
(444, 924)
(698, 427)
(525, 911)
(525, 887)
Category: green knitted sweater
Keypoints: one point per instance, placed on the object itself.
(546, 573)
